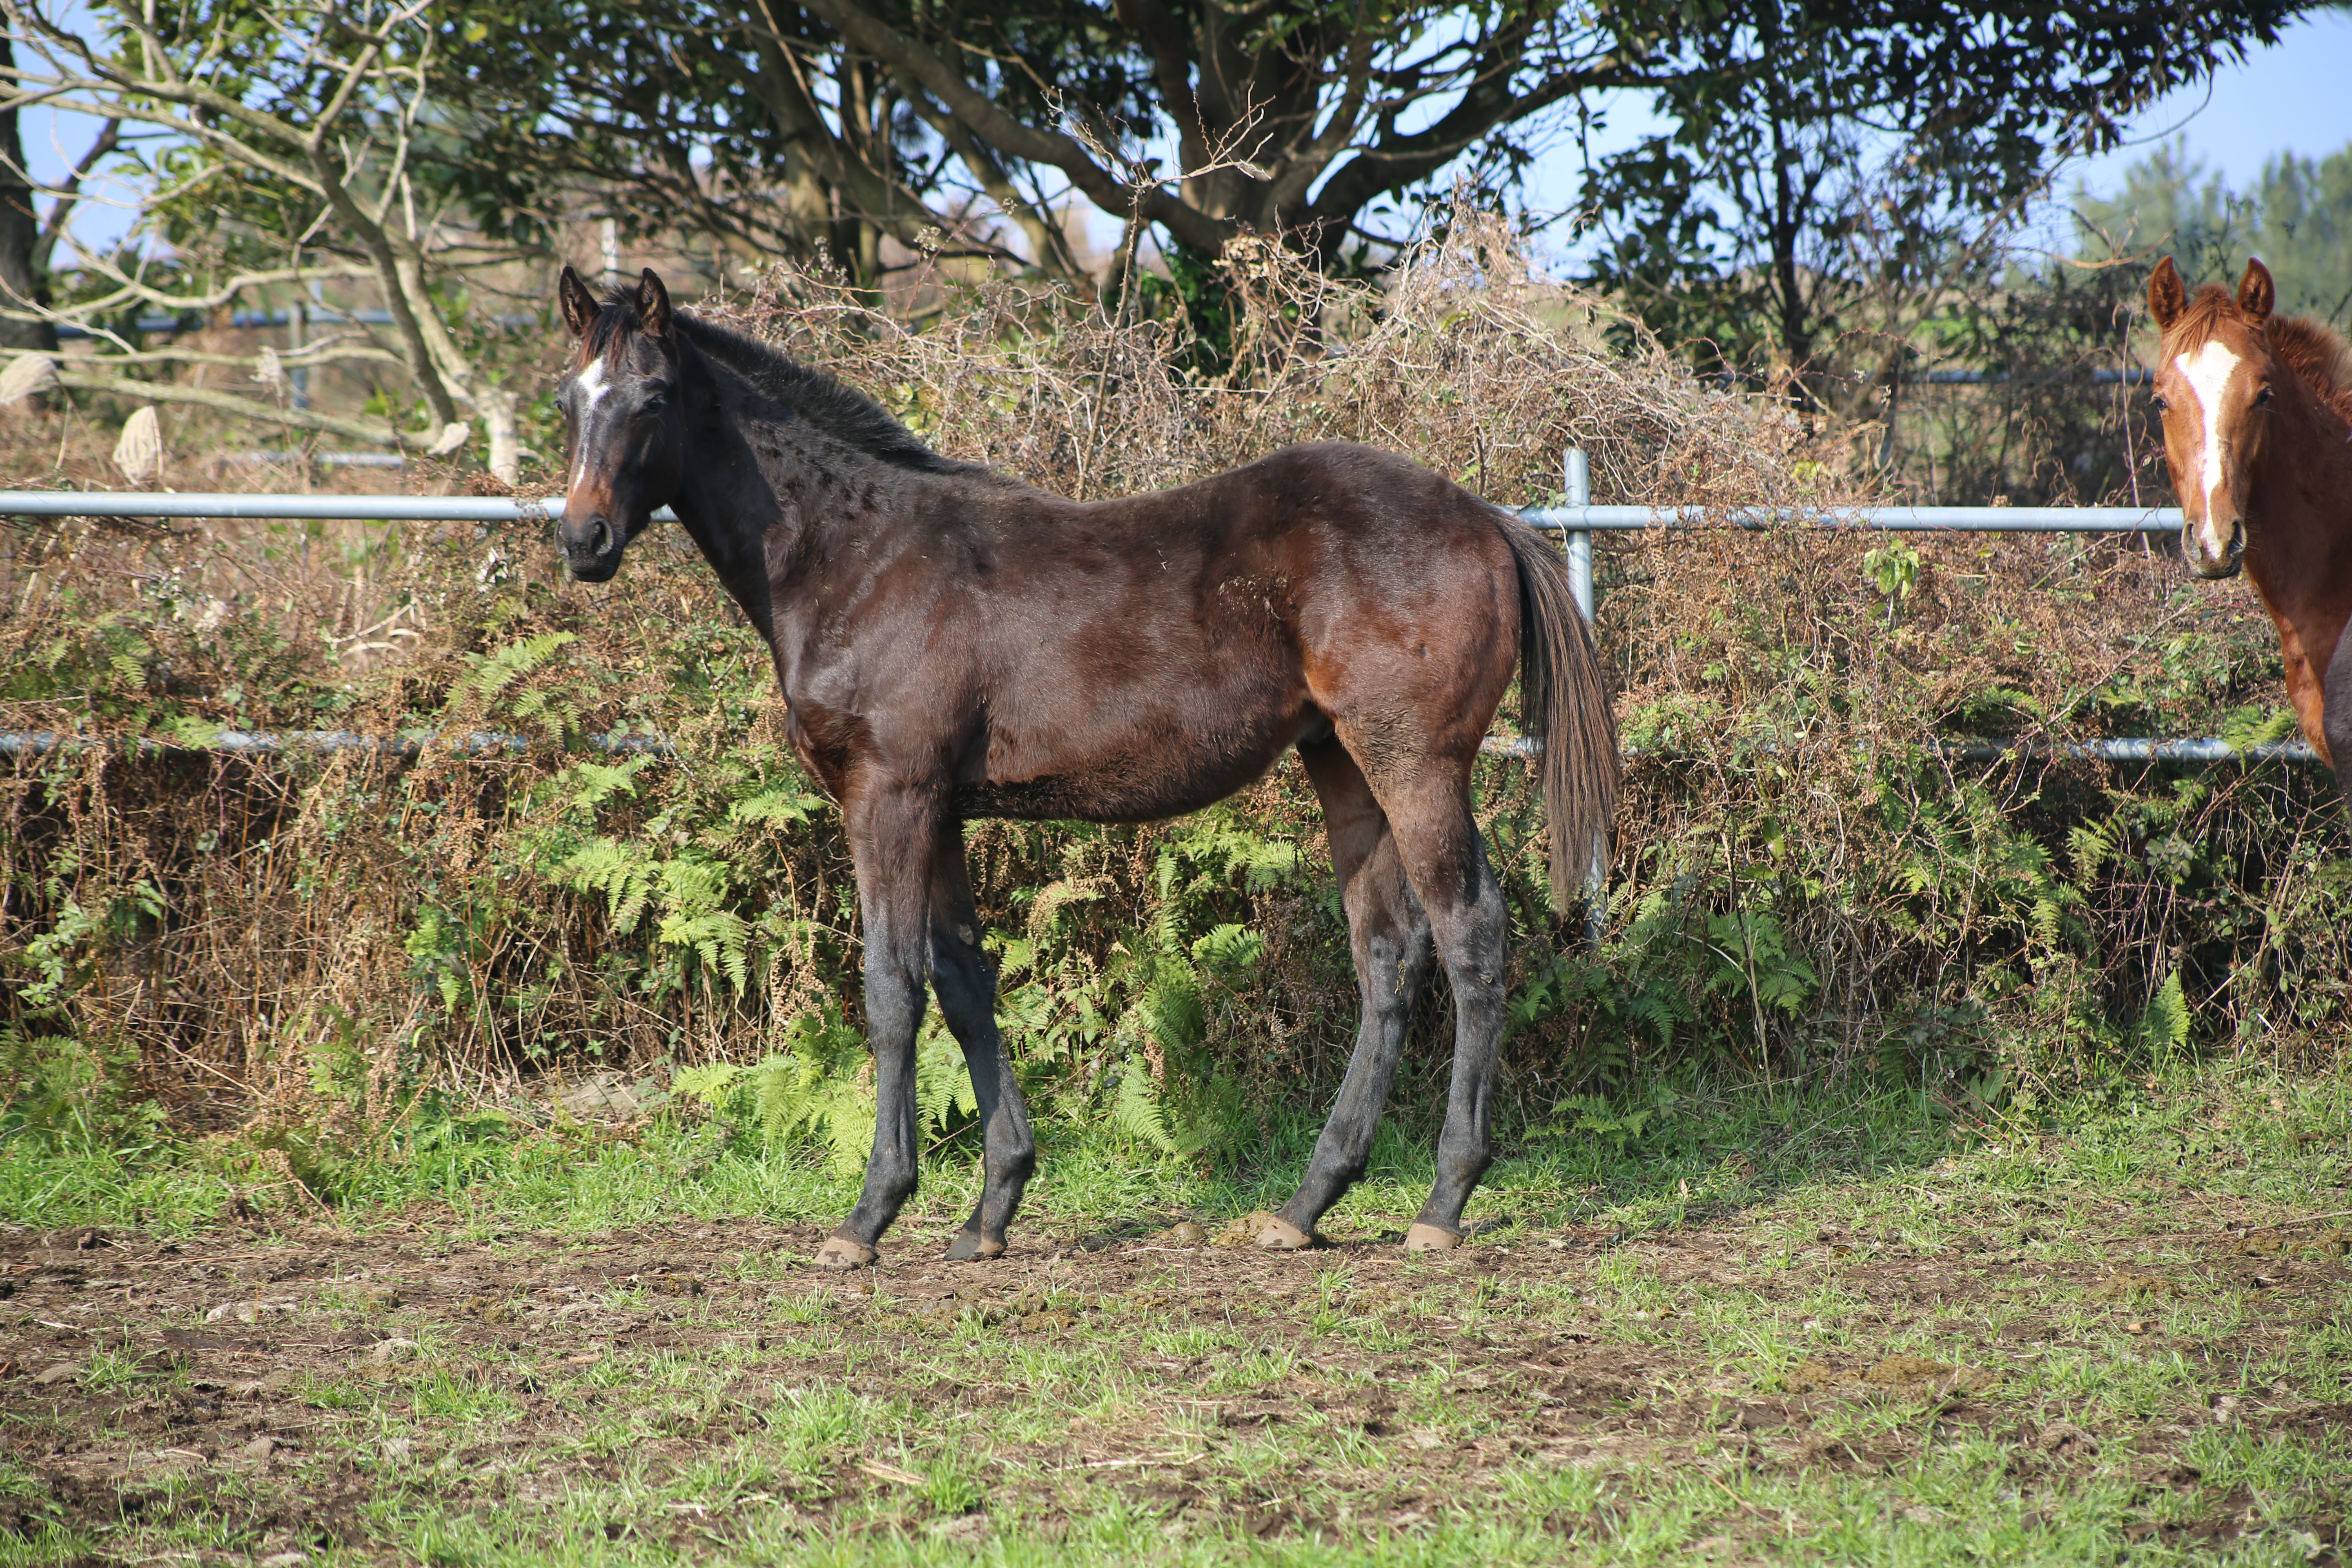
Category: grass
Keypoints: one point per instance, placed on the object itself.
(1687, 1346)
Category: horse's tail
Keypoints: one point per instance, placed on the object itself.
(1567, 704)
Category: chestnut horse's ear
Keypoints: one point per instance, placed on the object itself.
(578, 305)
(2256, 293)
(653, 305)
(2166, 297)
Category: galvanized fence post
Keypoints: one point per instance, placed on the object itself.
(1576, 483)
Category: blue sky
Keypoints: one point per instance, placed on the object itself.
(2289, 96)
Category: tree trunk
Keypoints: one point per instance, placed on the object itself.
(505, 430)
(22, 286)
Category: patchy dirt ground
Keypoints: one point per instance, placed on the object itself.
(287, 1393)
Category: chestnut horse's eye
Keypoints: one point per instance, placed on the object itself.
(2263, 398)
(2160, 405)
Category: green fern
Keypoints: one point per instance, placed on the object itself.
(1136, 1111)
(2096, 846)
(495, 673)
(2048, 921)
(782, 806)
(1230, 949)
(1170, 1009)
(2255, 725)
(711, 1083)
(787, 1093)
(784, 1097)
(599, 783)
(942, 1082)
(624, 873)
(718, 938)
(2165, 1022)
(850, 1113)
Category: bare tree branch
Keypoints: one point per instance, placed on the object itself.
(70, 373)
(977, 109)
(338, 124)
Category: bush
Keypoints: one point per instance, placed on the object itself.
(1801, 884)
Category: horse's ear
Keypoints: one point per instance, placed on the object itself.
(2256, 293)
(653, 305)
(2165, 296)
(578, 305)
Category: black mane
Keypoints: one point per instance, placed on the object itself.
(831, 406)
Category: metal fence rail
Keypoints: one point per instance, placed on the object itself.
(413, 743)
(204, 504)
(1577, 517)
(1577, 521)
(1884, 519)
(406, 745)
(2204, 749)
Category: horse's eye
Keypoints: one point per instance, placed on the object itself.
(2160, 405)
(2263, 398)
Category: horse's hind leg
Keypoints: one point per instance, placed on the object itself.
(965, 983)
(1390, 939)
(1437, 839)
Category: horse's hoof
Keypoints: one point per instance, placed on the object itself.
(1277, 1234)
(840, 1252)
(969, 1246)
(1431, 1238)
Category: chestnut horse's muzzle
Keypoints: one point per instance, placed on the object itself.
(2204, 562)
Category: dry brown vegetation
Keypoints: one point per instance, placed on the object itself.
(1799, 883)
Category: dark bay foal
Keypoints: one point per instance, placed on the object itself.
(955, 644)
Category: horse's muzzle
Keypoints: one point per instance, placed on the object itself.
(592, 551)
(2206, 564)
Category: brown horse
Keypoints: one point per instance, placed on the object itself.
(954, 643)
(2256, 409)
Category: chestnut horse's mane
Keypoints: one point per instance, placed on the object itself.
(2319, 358)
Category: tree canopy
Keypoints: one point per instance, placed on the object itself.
(1820, 169)
(1829, 169)
(831, 123)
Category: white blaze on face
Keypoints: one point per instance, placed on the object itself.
(592, 386)
(2207, 371)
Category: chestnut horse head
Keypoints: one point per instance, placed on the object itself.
(620, 406)
(2216, 382)
(2257, 411)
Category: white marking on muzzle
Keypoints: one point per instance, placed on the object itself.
(2207, 371)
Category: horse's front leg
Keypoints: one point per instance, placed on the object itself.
(965, 981)
(893, 837)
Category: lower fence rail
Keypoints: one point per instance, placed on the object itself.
(412, 744)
